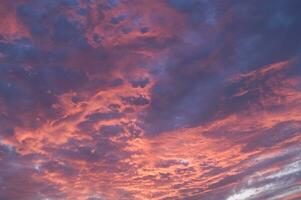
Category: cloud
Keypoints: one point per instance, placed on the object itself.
(138, 101)
(270, 184)
(111, 130)
(139, 83)
(173, 99)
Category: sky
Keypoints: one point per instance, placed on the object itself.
(150, 100)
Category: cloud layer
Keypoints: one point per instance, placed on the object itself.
(139, 99)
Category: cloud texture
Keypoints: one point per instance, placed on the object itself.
(140, 99)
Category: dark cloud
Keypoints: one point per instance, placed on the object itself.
(139, 83)
(21, 50)
(33, 17)
(187, 6)
(88, 124)
(198, 11)
(95, 198)
(110, 153)
(269, 40)
(60, 168)
(118, 19)
(111, 130)
(186, 99)
(136, 100)
(67, 32)
(193, 86)
(99, 116)
(276, 135)
(33, 91)
(17, 180)
(151, 42)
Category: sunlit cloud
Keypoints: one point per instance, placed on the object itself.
(139, 99)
